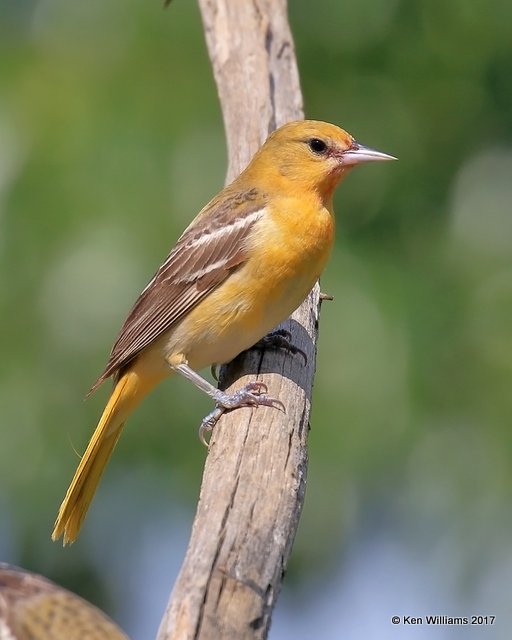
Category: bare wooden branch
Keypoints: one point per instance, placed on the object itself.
(254, 478)
(253, 58)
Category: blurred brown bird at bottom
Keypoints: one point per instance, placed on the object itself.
(33, 608)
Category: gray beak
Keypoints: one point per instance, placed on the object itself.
(358, 154)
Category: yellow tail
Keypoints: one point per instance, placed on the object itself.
(128, 392)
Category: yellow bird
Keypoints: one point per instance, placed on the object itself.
(242, 266)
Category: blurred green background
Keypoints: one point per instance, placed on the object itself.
(111, 140)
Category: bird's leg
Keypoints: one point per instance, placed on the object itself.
(280, 339)
(252, 395)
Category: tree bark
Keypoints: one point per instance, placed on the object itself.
(255, 472)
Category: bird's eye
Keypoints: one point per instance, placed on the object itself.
(317, 146)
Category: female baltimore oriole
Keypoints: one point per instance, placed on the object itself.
(242, 266)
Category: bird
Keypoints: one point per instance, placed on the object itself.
(241, 267)
(33, 608)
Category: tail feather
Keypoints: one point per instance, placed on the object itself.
(126, 395)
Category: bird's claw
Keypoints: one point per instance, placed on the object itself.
(280, 339)
(209, 422)
(252, 395)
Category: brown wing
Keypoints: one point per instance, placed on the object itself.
(209, 249)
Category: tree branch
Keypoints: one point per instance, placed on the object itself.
(255, 473)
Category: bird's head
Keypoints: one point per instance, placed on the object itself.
(315, 155)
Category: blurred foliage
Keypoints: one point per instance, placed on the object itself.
(111, 140)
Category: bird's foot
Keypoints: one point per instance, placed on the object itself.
(280, 339)
(254, 394)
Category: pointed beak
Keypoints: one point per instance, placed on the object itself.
(358, 154)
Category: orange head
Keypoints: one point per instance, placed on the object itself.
(311, 154)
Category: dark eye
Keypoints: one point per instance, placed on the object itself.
(317, 146)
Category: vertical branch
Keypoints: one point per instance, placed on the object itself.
(254, 477)
(253, 57)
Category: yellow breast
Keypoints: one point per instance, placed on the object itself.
(286, 255)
